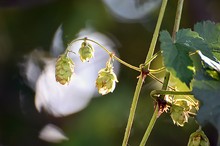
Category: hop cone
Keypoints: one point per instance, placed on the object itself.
(86, 52)
(198, 138)
(64, 69)
(106, 81)
(179, 115)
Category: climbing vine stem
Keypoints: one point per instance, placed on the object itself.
(167, 74)
(141, 77)
(101, 46)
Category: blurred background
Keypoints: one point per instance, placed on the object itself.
(37, 111)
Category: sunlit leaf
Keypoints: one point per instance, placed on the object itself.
(176, 54)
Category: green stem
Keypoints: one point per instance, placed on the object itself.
(150, 126)
(155, 71)
(152, 58)
(156, 32)
(156, 93)
(177, 18)
(167, 75)
(156, 79)
(127, 64)
(141, 78)
(110, 53)
(155, 114)
(132, 110)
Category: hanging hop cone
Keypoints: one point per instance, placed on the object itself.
(106, 80)
(178, 115)
(64, 69)
(198, 138)
(86, 51)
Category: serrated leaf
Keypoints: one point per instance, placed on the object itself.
(210, 32)
(176, 54)
(193, 42)
(176, 58)
(207, 91)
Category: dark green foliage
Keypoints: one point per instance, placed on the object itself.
(194, 56)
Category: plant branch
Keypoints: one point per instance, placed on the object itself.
(155, 114)
(150, 126)
(152, 58)
(141, 77)
(177, 18)
(155, 71)
(156, 79)
(167, 74)
(101, 46)
(156, 32)
(156, 93)
(132, 110)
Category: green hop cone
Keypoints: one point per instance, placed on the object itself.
(106, 81)
(64, 69)
(86, 52)
(178, 115)
(198, 138)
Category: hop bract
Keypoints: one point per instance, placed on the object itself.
(179, 115)
(64, 69)
(86, 51)
(106, 81)
(198, 138)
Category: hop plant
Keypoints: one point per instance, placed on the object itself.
(198, 138)
(64, 69)
(86, 51)
(106, 80)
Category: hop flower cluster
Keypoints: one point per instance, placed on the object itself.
(64, 69)
(86, 51)
(198, 138)
(106, 80)
(181, 110)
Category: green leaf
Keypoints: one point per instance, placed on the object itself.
(176, 58)
(210, 32)
(207, 91)
(176, 54)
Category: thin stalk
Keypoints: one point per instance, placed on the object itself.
(167, 74)
(155, 93)
(127, 64)
(155, 115)
(152, 58)
(132, 110)
(156, 79)
(156, 31)
(150, 126)
(115, 57)
(177, 18)
(155, 71)
(101, 46)
(141, 78)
